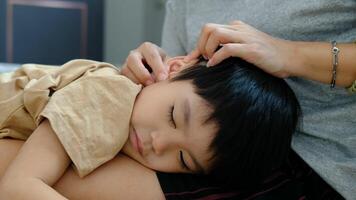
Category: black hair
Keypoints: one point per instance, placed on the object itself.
(256, 114)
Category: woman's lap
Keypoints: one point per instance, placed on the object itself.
(124, 176)
(293, 181)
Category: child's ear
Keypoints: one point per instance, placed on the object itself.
(175, 65)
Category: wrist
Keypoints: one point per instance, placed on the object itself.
(297, 59)
(313, 61)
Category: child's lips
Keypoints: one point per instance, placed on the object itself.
(136, 141)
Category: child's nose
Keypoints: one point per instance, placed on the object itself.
(163, 142)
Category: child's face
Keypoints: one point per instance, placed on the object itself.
(163, 143)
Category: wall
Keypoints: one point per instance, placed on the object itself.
(50, 32)
(128, 23)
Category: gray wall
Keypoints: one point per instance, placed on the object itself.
(128, 23)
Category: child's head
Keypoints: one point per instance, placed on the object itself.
(232, 120)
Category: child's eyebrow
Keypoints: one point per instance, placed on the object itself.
(187, 113)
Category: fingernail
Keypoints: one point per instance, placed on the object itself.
(208, 64)
(149, 82)
(162, 77)
(205, 57)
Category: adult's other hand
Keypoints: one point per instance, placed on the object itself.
(141, 61)
(239, 39)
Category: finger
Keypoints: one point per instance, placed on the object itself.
(228, 50)
(192, 55)
(162, 53)
(126, 72)
(154, 59)
(221, 36)
(205, 34)
(237, 22)
(203, 37)
(138, 69)
(242, 27)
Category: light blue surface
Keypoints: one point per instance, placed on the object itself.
(8, 67)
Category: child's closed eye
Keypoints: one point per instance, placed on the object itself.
(171, 117)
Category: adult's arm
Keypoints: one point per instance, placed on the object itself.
(120, 178)
(315, 62)
(282, 58)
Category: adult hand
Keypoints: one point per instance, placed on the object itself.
(146, 54)
(242, 40)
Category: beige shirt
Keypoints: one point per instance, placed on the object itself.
(88, 104)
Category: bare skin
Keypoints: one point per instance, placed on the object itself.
(281, 58)
(105, 183)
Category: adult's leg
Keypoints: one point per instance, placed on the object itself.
(295, 180)
(120, 178)
(123, 178)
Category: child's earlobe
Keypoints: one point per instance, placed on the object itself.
(172, 74)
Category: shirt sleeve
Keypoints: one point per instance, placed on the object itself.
(91, 117)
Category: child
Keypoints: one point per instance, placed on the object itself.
(232, 120)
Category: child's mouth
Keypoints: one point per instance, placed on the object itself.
(136, 142)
